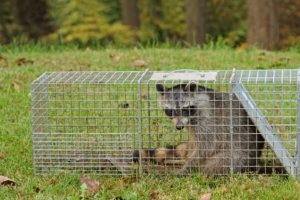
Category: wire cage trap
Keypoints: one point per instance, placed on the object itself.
(180, 122)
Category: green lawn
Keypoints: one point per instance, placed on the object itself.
(16, 154)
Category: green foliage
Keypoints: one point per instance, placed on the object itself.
(82, 21)
(228, 19)
(112, 10)
(149, 15)
(173, 24)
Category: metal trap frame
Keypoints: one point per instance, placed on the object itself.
(94, 121)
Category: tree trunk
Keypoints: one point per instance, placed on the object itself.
(130, 13)
(195, 21)
(262, 23)
(33, 17)
(3, 24)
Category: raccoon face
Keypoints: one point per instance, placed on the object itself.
(181, 103)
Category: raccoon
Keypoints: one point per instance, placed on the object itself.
(206, 115)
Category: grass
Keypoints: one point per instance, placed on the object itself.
(16, 155)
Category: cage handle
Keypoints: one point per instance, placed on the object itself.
(184, 70)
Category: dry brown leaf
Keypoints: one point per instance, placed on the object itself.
(205, 196)
(92, 185)
(2, 58)
(6, 181)
(54, 182)
(2, 156)
(243, 187)
(116, 57)
(16, 85)
(138, 63)
(145, 97)
(153, 195)
(22, 61)
(19, 195)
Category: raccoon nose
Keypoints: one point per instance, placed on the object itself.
(179, 127)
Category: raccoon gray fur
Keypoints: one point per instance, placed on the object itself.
(206, 115)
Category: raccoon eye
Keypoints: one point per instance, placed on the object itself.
(188, 111)
(169, 112)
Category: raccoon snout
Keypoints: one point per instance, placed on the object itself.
(179, 127)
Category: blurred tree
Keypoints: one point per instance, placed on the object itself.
(4, 30)
(149, 16)
(112, 10)
(32, 16)
(195, 21)
(262, 23)
(82, 21)
(130, 13)
(172, 21)
(227, 18)
(289, 20)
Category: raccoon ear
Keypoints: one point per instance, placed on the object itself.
(191, 87)
(161, 88)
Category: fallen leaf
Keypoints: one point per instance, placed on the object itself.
(144, 96)
(138, 63)
(16, 86)
(23, 61)
(129, 180)
(92, 185)
(205, 196)
(261, 58)
(275, 62)
(153, 195)
(224, 188)
(6, 181)
(2, 156)
(54, 182)
(116, 57)
(2, 58)
(243, 187)
(19, 195)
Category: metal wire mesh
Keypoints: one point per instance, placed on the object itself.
(111, 123)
